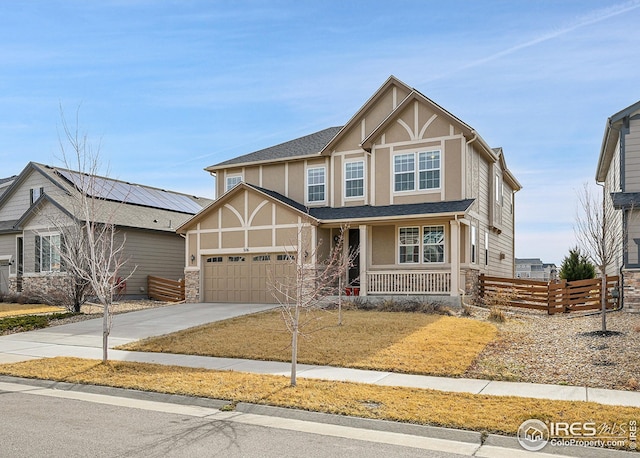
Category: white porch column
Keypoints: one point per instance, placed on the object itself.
(455, 256)
(364, 243)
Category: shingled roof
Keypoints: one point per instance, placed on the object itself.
(303, 146)
(368, 211)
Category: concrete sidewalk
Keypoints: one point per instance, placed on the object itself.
(84, 340)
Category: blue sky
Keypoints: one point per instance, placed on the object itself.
(170, 87)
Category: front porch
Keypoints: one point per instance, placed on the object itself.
(415, 282)
(425, 257)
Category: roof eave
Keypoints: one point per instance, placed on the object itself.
(242, 185)
(381, 219)
(389, 82)
(214, 168)
(609, 140)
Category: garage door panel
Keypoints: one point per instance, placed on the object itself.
(243, 278)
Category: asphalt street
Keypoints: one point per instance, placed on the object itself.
(43, 426)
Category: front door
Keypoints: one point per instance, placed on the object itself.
(354, 247)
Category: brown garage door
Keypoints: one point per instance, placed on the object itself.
(243, 277)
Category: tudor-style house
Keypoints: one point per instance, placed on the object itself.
(619, 170)
(428, 203)
(41, 197)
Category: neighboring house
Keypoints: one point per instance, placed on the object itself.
(5, 183)
(428, 203)
(42, 195)
(619, 170)
(535, 269)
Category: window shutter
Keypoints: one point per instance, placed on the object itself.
(37, 257)
(31, 196)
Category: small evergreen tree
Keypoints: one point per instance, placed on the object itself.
(577, 266)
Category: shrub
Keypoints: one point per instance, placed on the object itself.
(30, 322)
(466, 310)
(577, 266)
(501, 297)
(497, 315)
(412, 305)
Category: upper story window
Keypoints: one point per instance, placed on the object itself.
(232, 181)
(47, 248)
(34, 194)
(354, 179)
(316, 184)
(428, 171)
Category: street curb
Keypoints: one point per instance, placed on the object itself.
(120, 392)
(458, 435)
(435, 432)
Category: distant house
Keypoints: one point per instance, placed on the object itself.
(619, 170)
(5, 183)
(428, 202)
(535, 269)
(30, 244)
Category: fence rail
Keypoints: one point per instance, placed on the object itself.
(163, 289)
(552, 297)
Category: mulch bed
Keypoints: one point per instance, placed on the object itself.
(566, 349)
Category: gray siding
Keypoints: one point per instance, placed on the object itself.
(632, 157)
(19, 201)
(612, 184)
(157, 254)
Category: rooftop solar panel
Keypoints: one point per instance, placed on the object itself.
(105, 188)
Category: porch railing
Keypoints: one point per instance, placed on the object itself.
(418, 282)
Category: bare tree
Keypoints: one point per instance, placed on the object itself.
(597, 235)
(314, 285)
(92, 250)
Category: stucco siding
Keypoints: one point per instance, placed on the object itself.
(384, 240)
(382, 175)
(273, 178)
(453, 173)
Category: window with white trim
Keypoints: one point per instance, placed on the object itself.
(47, 251)
(428, 170)
(316, 184)
(409, 245)
(486, 248)
(474, 244)
(433, 243)
(354, 179)
(404, 171)
(34, 194)
(232, 181)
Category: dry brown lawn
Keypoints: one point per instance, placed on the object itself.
(399, 342)
(456, 410)
(7, 310)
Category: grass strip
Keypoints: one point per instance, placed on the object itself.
(389, 341)
(7, 310)
(491, 414)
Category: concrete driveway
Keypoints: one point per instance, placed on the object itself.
(127, 327)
